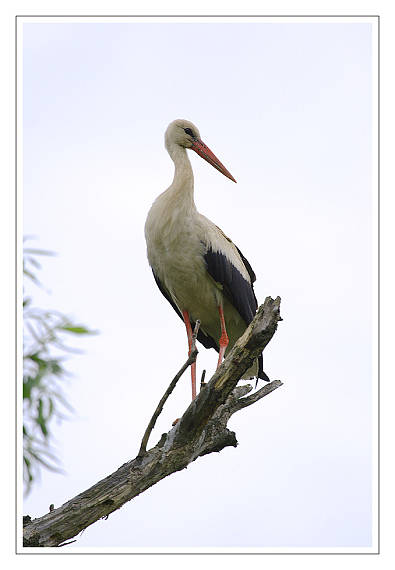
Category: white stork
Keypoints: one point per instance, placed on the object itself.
(196, 266)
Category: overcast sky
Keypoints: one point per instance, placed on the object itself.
(287, 108)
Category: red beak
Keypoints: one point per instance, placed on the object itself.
(203, 151)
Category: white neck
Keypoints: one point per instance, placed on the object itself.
(181, 190)
(173, 209)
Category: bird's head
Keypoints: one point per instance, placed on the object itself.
(184, 134)
(181, 132)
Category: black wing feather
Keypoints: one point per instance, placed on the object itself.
(237, 289)
(247, 265)
(206, 340)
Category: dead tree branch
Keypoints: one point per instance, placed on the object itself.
(172, 385)
(201, 430)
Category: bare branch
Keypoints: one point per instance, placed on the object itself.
(159, 408)
(202, 382)
(195, 333)
(264, 391)
(201, 430)
(191, 359)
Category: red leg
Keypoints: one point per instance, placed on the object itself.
(224, 340)
(193, 365)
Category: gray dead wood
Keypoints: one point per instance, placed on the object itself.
(201, 430)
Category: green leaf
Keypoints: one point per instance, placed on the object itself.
(31, 276)
(76, 329)
(38, 251)
(34, 262)
(27, 389)
(51, 408)
(40, 459)
(41, 420)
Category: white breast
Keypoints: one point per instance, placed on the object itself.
(175, 252)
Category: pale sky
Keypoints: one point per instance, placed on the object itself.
(287, 108)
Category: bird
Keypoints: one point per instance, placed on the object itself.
(198, 269)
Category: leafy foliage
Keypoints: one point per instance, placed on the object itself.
(43, 375)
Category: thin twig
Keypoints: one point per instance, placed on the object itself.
(202, 382)
(264, 391)
(159, 408)
(194, 335)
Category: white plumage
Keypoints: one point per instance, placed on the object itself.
(196, 266)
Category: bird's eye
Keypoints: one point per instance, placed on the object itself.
(189, 132)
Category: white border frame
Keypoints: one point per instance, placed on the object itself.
(374, 21)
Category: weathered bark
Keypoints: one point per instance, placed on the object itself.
(201, 430)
